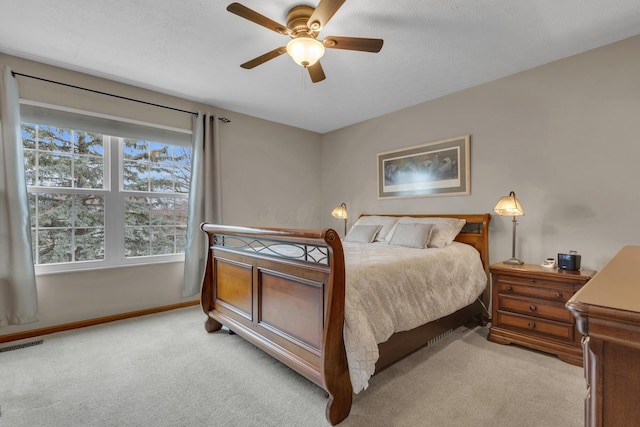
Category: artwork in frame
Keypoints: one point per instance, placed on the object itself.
(439, 168)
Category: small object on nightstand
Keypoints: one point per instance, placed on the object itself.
(549, 263)
(529, 308)
(570, 261)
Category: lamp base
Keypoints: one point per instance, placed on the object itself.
(514, 261)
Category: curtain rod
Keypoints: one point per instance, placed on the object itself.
(14, 74)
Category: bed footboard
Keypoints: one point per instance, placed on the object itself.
(283, 290)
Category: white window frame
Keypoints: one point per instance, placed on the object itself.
(113, 192)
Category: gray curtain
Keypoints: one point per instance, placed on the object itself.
(204, 199)
(18, 295)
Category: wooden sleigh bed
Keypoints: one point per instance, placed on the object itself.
(291, 303)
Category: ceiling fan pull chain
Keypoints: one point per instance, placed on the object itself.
(303, 72)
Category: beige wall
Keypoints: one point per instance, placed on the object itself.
(563, 136)
(258, 162)
(271, 174)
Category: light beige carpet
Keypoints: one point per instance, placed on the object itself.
(165, 370)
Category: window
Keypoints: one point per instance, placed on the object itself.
(155, 188)
(99, 199)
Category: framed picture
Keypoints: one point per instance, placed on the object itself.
(438, 168)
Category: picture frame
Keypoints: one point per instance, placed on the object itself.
(440, 168)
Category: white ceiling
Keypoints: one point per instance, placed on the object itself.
(194, 48)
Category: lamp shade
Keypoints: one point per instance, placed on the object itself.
(509, 206)
(340, 211)
(306, 51)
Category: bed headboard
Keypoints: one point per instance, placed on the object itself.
(474, 233)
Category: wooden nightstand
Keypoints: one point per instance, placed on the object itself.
(529, 308)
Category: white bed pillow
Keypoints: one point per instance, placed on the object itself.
(387, 223)
(412, 235)
(363, 233)
(444, 232)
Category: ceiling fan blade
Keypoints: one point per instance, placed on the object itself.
(253, 16)
(323, 13)
(264, 58)
(353, 43)
(316, 73)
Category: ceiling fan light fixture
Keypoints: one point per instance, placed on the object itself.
(305, 51)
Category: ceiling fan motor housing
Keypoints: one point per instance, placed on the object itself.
(297, 20)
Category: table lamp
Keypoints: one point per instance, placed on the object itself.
(510, 206)
(340, 212)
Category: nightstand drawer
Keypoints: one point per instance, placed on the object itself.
(557, 330)
(533, 280)
(537, 308)
(518, 286)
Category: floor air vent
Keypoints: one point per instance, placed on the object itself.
(19, 346)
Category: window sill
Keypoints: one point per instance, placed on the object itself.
(64, 268)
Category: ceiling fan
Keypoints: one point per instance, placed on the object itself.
(303, 25)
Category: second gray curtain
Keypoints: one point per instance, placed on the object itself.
(204, 200)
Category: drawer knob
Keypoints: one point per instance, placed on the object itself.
(533, 307)
(532, 325)
(509, 288)
(558, 294)
(532, 280)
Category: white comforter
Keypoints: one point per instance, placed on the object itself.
(393, 288)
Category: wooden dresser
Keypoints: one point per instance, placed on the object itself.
(529, 308)
(607, 310)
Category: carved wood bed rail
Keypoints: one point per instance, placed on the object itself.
(284, 291)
